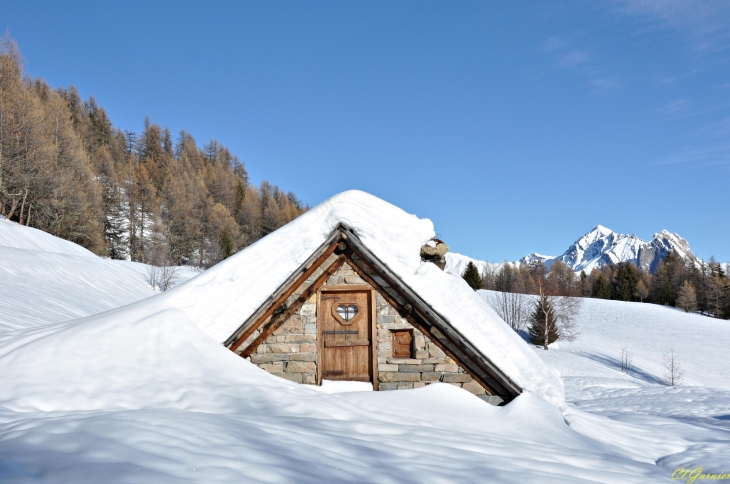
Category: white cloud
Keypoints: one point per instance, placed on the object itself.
(720, 129)
(574, 58)
(605, 83)
(665, 80)
(674, 107)
(552, 43)
(718, 154)
(706, 22)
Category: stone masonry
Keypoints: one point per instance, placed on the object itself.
(428, 364)
(291, 351)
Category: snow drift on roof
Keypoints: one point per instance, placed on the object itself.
(222, 297)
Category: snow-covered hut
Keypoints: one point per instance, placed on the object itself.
(342, 294)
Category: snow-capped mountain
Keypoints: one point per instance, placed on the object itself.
(456, 263)
(535, 257)
(603, 246)
(597, 248)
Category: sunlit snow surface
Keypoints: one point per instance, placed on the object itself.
(224, 296)
(47, 280)
(135, 395)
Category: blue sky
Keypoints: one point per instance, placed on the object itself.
(515, 126)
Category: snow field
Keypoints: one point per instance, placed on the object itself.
(142, 393)
(112, 398)
(20, 237)
(685, 426)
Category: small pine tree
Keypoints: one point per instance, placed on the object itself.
(226, 243)
(687, 297)
(472, 277)
(626, 281)
(600, 288)
(584, 285)
(542, 314)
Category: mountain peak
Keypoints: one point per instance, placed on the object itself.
(601, 229)
(599, 247)
(602, 246)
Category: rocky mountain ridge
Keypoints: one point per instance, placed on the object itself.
(597, 248)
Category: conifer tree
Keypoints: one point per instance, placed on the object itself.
(584, 285)
(626, 281)
(543, 315)
(641, 291)
(472, 277)
(600, 288)
(687, 297)
(65, 169)
(226, 242)
(561, 280)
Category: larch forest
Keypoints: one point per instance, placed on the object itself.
(67, 170)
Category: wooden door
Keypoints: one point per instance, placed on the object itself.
(345, 335)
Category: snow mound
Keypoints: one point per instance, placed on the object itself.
(123, 359)
(221, 298)
(128, 396)
(48, 280)
(334, 386)
(20, 237)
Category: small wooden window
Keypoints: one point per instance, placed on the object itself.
(402, 343)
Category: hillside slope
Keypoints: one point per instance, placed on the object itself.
(133, 395)
(684, 426)
(16, 236)
(648, 331)
(48, 280)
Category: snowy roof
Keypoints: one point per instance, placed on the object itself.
(222, 297)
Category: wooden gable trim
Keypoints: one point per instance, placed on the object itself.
(429, 322)
(428, 331)
(280, 318)
(279, 297)
(406, 311)
(344, 242)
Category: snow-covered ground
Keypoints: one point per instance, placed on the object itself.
(130, 395)
(47, 280)
(685, 426)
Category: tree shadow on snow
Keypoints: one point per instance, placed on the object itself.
(615, 364)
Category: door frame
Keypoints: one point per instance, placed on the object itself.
(373, 294)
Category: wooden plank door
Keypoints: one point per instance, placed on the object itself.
(345, 335)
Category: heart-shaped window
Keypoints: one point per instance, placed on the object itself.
(347, 311)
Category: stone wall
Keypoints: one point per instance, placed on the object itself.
(427, 365)
(291, 351)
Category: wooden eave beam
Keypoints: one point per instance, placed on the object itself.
(279, 319)
(417, 321)
(420, 315)
(488, 370)
(284, 291)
